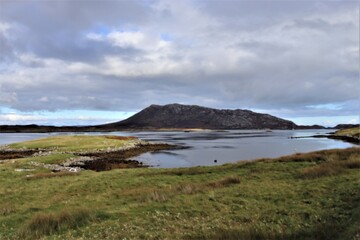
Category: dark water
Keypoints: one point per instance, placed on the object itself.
(207, 146)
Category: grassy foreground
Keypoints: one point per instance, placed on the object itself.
(303, 196)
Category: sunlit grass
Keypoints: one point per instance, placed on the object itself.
(75, 143)
(352, 132)
(55, 158)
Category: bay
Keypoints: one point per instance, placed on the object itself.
(206, 148)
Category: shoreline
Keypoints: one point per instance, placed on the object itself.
(85, 129)
(89, 160)
(348, 139)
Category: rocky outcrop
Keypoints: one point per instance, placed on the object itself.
(192, 116)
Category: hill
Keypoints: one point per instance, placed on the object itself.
(344, 126)
(192, 116)
(176, 116)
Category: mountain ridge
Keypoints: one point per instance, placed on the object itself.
(193, 116)
(175, 116)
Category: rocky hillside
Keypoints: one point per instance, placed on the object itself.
(192, 116)
(344, 126)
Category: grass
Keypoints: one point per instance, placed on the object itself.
(49, 175)
(42, 224)
(55, 158)
(332, 167)
(351, 132)
(302, 196)
(76, 143)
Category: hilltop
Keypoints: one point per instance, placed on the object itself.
(176, 116)
(193, 116)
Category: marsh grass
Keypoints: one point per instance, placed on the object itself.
(251, 233)
(225, 182)
(42, 224)
(162, 195)
(332, 164)
(50, 175)
(326, 169)
(319, 156)
(7, 209)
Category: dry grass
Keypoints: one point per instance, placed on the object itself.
(320, 156)
(250, 233)
(326, 169)
(121, 137)
(352, 132)
(6, 209)
(158, 196)
(162, 195)
(225, 182)
(333, 165)
(42, 224)
(50, 175)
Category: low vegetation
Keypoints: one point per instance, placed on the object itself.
(76, 143)
(42, 224)
(349, 132)
(303, 196)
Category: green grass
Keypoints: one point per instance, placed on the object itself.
(75, 143)
(55, 158)
(264, 199)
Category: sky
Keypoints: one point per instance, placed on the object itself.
(79, 62)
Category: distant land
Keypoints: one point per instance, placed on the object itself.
(177, 116)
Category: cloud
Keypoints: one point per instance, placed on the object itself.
(279, 56)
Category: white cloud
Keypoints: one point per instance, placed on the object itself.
(4, 27)
(127, 39)
(13, 117)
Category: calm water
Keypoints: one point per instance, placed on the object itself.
(207, 146)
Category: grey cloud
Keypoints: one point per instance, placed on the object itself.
(57, 28)
(229, 54)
